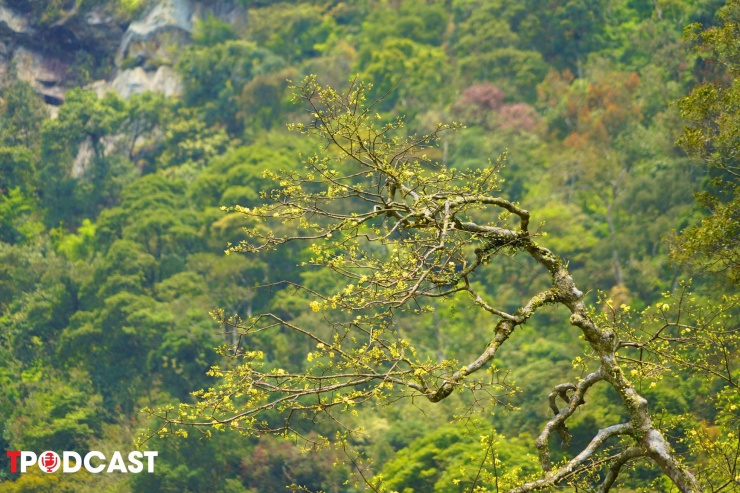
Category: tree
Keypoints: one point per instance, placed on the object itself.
(712, 111)
(23, 112)
(421, 68)
(564, 31)
(78, 158)
(488, 50)
(215, 75)
(405, 233)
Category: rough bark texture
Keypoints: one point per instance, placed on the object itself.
(648, 441)
(426, 215)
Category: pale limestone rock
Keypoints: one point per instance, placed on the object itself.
(97, 30)
(144, 53)
(13, 22)
(137, 80)
(45, 74)
(148, 40)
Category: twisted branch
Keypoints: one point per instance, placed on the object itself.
(427, 237)
(616, 465)
(558, 422)
(552, 478)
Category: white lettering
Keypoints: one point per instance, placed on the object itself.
(116, 463)
(94, 461)
(89, 466)
(133, 458)
(27, 459)
(65, 461)
(150, 455)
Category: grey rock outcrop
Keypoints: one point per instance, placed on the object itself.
(12, 22)
(46, 75)
(96, 30)
(146, 42)
(142, 53)
(137, 80)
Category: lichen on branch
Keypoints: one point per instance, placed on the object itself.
(400, 230)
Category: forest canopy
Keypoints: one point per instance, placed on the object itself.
(495, 249)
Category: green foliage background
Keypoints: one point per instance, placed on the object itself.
(108, 271)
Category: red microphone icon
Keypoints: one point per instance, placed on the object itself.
(49, 461)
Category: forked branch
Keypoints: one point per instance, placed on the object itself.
(402, 230)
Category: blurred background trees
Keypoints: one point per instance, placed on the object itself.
(111, 237)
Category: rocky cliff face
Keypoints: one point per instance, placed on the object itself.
(97, 49)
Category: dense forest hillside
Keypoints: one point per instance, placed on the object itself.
(129, 128)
